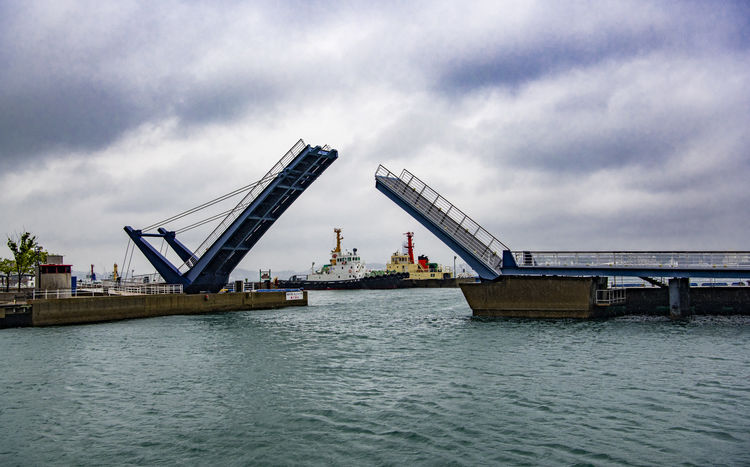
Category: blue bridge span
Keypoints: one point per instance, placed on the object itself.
(207, 268)
(490, 257)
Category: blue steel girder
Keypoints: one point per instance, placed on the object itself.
(211, 271)
(484, 271)
(162, 265)
(234, 243)
(285, 194)
(182, 251)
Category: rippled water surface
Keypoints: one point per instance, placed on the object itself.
(377, 378)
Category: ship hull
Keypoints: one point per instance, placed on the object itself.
(390, 281)
(435, 283)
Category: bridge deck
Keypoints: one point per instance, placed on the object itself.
(704, 264)
(480, 249)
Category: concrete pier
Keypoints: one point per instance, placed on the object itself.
(702, 301)
(575, 297)
(536, 297)
(80, 310)
(679, 298)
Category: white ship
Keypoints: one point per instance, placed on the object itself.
(345, 270)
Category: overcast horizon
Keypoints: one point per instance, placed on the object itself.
(575, 125)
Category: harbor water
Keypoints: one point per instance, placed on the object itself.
(398, 377)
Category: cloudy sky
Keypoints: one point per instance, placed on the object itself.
(556, 125)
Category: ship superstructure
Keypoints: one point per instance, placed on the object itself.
(422, 269)
(344, 265)
(345, 270)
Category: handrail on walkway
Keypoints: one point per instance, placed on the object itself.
(624, 259)
(99, 290)
(455, 225)
(246, 200)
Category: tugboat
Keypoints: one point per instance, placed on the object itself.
(421, 273)
(345, 270)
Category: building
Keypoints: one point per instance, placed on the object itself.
(54, 275)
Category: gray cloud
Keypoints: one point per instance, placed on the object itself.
(80, 88)
(68, 116)
(580, 35)
(516, 64)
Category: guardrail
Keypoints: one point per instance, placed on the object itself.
(454, 222)
(606, 297)
(103, 289)
(623, 259)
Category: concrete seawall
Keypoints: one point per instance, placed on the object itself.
(79, 310)
(703, 301)
(575, 297)
(434, 283)
(535, 297)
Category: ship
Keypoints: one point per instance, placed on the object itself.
(420, 273)
(345, 270)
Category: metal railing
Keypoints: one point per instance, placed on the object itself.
(606, 297)
(104, 289)
(247, 200)
(644, 259)
(443, 214)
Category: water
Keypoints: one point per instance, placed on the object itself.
(377, 378)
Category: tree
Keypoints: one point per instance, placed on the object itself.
(26, 253)
(7, 266)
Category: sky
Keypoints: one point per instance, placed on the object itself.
(556, 125)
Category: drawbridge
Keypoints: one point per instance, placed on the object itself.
(207, 269)
(474, 244)
(490, 257)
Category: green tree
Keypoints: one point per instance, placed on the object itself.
(26, 254)
(7, 266)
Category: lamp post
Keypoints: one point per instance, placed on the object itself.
(454, 266)
(38, 278)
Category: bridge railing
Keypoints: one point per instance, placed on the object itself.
(106, 289)
(246, 201)
(442, 213)
(649, 259)
(607, 297)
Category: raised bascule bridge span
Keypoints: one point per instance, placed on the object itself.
(207, 268)
(491, 258)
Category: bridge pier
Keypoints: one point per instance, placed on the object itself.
(679, 298)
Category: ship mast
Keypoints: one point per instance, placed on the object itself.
(410, 246)
(336, 251)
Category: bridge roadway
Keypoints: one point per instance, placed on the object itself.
(670, 264)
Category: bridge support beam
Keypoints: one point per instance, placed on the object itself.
(679, 298)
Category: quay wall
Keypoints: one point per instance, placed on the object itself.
(535, 297)
(12, 296)
(78, 310)
(702, 301)
(15, 315)
(575, 297)
(434, 283)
